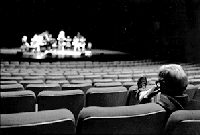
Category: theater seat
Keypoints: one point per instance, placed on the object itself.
(135, 120)
(26, 82)
(17, 101)
(60, 121)
(183, 122)
(69, 99)
(11, 87)
(8, 82)
(106, 96)
(190, 91)
(36, 88)
(82, 86)
(109, 84)
(197, 95)
(18, 79)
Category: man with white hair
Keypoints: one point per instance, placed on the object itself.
(169, 90)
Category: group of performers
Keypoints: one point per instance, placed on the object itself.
(45, 42)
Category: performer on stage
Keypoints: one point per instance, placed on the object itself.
(25, 44)
(89, 46)
(76, 43)
(68, 42)
(37, 41)
(61, 40)
(82, 43)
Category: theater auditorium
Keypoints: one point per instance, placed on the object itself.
(75, 67)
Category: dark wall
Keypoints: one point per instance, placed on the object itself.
(157, 29)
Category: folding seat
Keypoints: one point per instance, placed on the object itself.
(102, 80)
(110, 84)
(17, 101)
(197, 76)
(110, 77)
(26, 71)
(129, 84)
(60, 82)
(18, 79)
(96, 70)
(127, 72)
(54, 77)
(55, 73)
(7, 82)
(125, 76)
(132, 100)
(92, 77)
(197, 94)
(85, 74)
(191, 90)
(41, 73)
(20, 66)
(135, 120)
(34, 78)
(150, 75)
(114, 72)
(74, 77)
(20, 74)
(34, 63)
(69, 99)
(6, 74)
(123, 80)
(11, 87)
(61, 66)
(82, 86)
(100, 73)
(194, 81)
(60, 121)
(45, 63)
(81, 81)
(137, 76)
(106, 96)
(31, 66)
(26, 82)
(24, 63)
(36, 88)
(183, 122)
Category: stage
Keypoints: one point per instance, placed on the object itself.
(94, 54)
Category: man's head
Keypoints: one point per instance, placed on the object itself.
(173, 79)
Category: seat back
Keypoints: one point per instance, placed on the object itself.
(106, 96)
(82, 86)
(139, 119)
(36, 88)
(17, 101)
(60, 121)
(183, 122)
(190, 91)
(11, 87)
(72, 100)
